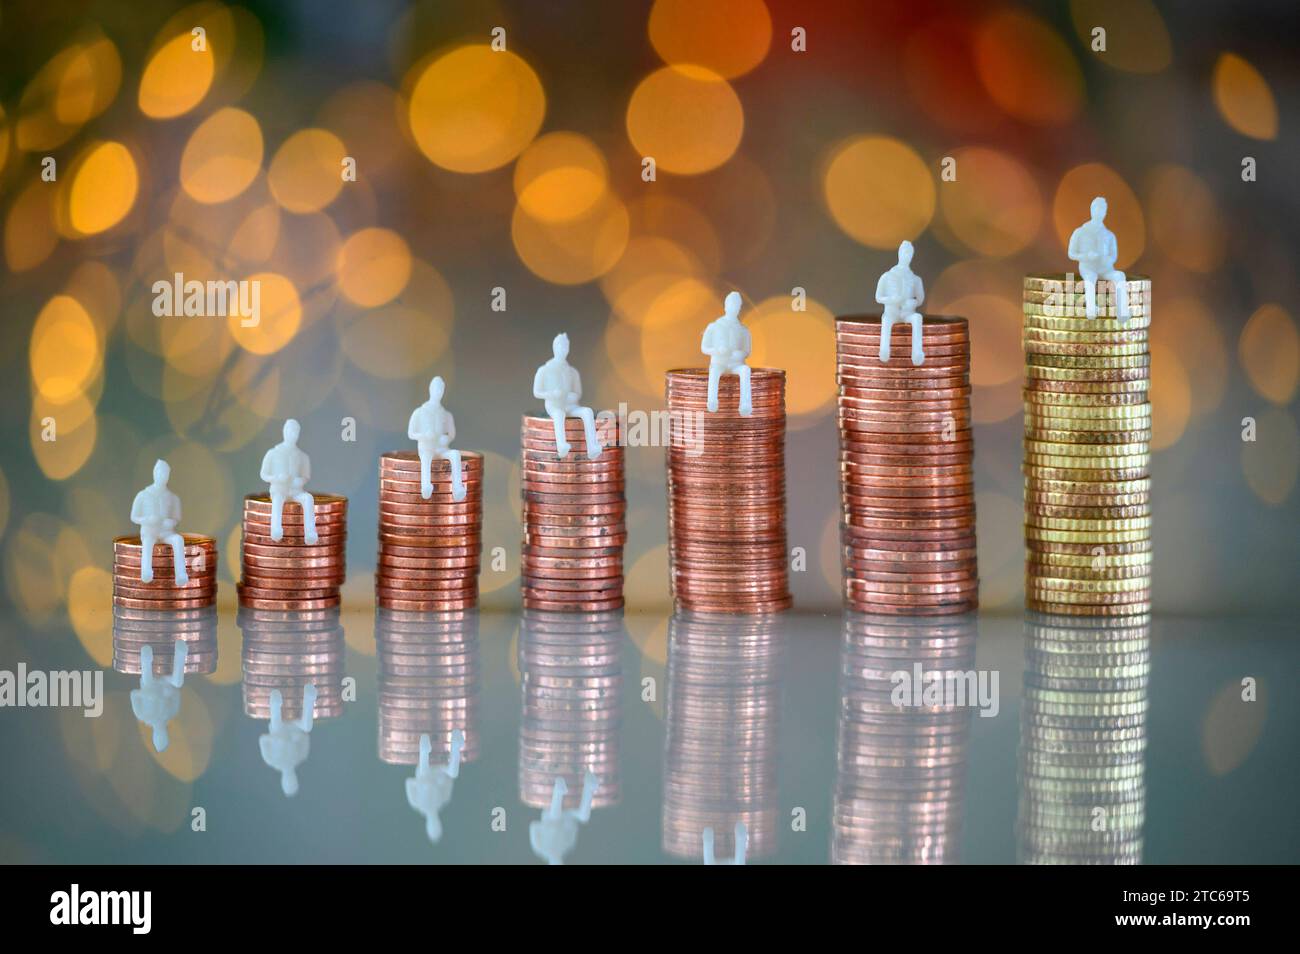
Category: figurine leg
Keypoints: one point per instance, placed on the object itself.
(457, 744)
(589, 432)
(308, 706)
(277, 516)
(457, 475)
(1121, 295)
(715, 372)
(178, 662)
(1089, 292)
(426, 472)
(147, 541)
(918, 352)
(561, 443)
(707, 838)
(886, 329)
(746, 395)
(308, 504)
(177, 543)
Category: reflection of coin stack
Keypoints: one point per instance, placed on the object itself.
(1083, 740)
(726, 494)
(906, 471)
(571, 672)
(162, 593)
(291, 574)
(428, 549)
(159, 630)
(428, 684)
(720, 745)
(575, 522)
(286, 651)
(1087, 449)
(900, 771)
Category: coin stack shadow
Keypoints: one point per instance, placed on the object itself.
(286, 651)
(900, 775)
(1087, 449)
(575, 519)
(906, 469)
(726, 494)
(1083, 740)
(159, 630)
(162, 593)
(428, 684)
(722, 722)
(428, 549)
(290, 574)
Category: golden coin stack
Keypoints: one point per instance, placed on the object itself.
(1087, 449)
(159, 630)
(1083, 740)
(726, 495)
(162, 592)
(575, 519)
(906, 469)
(290, 574)
(428, 549)
(287, 651)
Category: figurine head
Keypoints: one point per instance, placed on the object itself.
(291, 431)
(161, 472)
(1098, 208)
(732, 304)
(437, 388)
(905, 253)
(560, 346)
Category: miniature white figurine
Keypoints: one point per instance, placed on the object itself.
(742, 846)
(727, 343)
(558, 384)
(901, 292)
(287, 469)
(429, 790)
(1094, 248)
(286, 745)
(157, 510)
(433, 429)
(555, 833)
(158, 699)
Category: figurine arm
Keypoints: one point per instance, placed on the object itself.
(1074, 252)
(137, 508)
(746, 342)
(539, 391)
(708, 343)
(306, 470)
(265, 472)
(451, 426)
(412, 427)
(881, 297)
(575, 383)
(918, 289)
(174, 510)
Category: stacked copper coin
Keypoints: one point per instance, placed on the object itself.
(901, 769)
(722, 725)
(290, 574)
(574, 514)
(1087, 449)
(906, 469)
(288, 651)
(571, 676)
(726, 494)
(160, 630)
(162, 592)
(428, 684)
(1083, 740)
(428, 549)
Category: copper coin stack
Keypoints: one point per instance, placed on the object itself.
(159, 630)
(571, 676)
(287, 651)
(900, 776)
(1083, 740)
(162, 593)
(291, 575)
(726, 494)
(428, 549)
(906, 469)
(428, 684)
(1087, 449)
(575, 523)
(722, 724)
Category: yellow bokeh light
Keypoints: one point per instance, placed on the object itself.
(65, 349)
(879, 191)
(645, 584)
(404, 338)
(994, 322)
(994, 207)
(1271, 461)
(802, 343)
(1244, 98)
(306, 173)
(1124, 217)
(560, 177)
(63, 435)
(32, 576)
(672, 326)
(1269, 351)
(94, 285)
(687, 118)
(30, 235)
(729, 37)
(1171, 397)
(223, 156)
(104, 186)
(1136, 38)
(649, 264)
(374, 267)
(1185, 219)
(576, 251)
(1027, 69)
(90, 601)
(254, 240)
(281, 314)
(75, 86)
(176, 78)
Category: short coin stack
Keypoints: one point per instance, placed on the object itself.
(1087, 449)
(287, 651)
(575, 519)
(906, 469)
(428, 549)
(726, 495)
(159, 630)
(290, 574)
(162, 592)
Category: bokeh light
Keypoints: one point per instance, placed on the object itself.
(687, 118)
(104, 185)
(994, 206)
(1269, 350)
(222, 157)
(729, 37)
(281, 314)
(1186, 223)
(1271, 462)
(176, 78)
(1171, 397)
(405, 337)
(802, 343)
(30, 235)
(374, 266)
(1027, 69)
(306, 173)
(879, 191)
(1137, 40)
(560, 177)
(576, 250)
(66, 351)
(1244, 98)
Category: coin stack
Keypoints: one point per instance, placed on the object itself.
(162, 592)
(1083, 740)
(906, 469)
(900, 770)
(726, 494)
(291, 575)
(159, 630)
(428, 549)
(1087, 449)
(575, 522)
(428, 684)
(721, 733)
(288, 650)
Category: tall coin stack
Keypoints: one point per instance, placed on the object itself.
(160, 630)
(290, 574)
(906, 469)
(287, 651)
(726, 495)
(1087, 449)
(162, 593)
(575, 519)
(428, 549)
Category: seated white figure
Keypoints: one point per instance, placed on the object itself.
(558, 385)
(157, 510)
(286, 745)
(433, 428)
(1094, 248)
(728, 343)
(901, 292)
(286, 469)
(555, 833)
(158, 699)
(429, 790)
(742, 846)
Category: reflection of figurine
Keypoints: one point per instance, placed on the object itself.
(742, 845)
(158, 699)
(287, 469)
(430, 788)
(157, 510)
(555, 833)
(727, 343)
(1094, 248)
(433, 429)
(286, 745)
(901, 292)
(557, 383)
